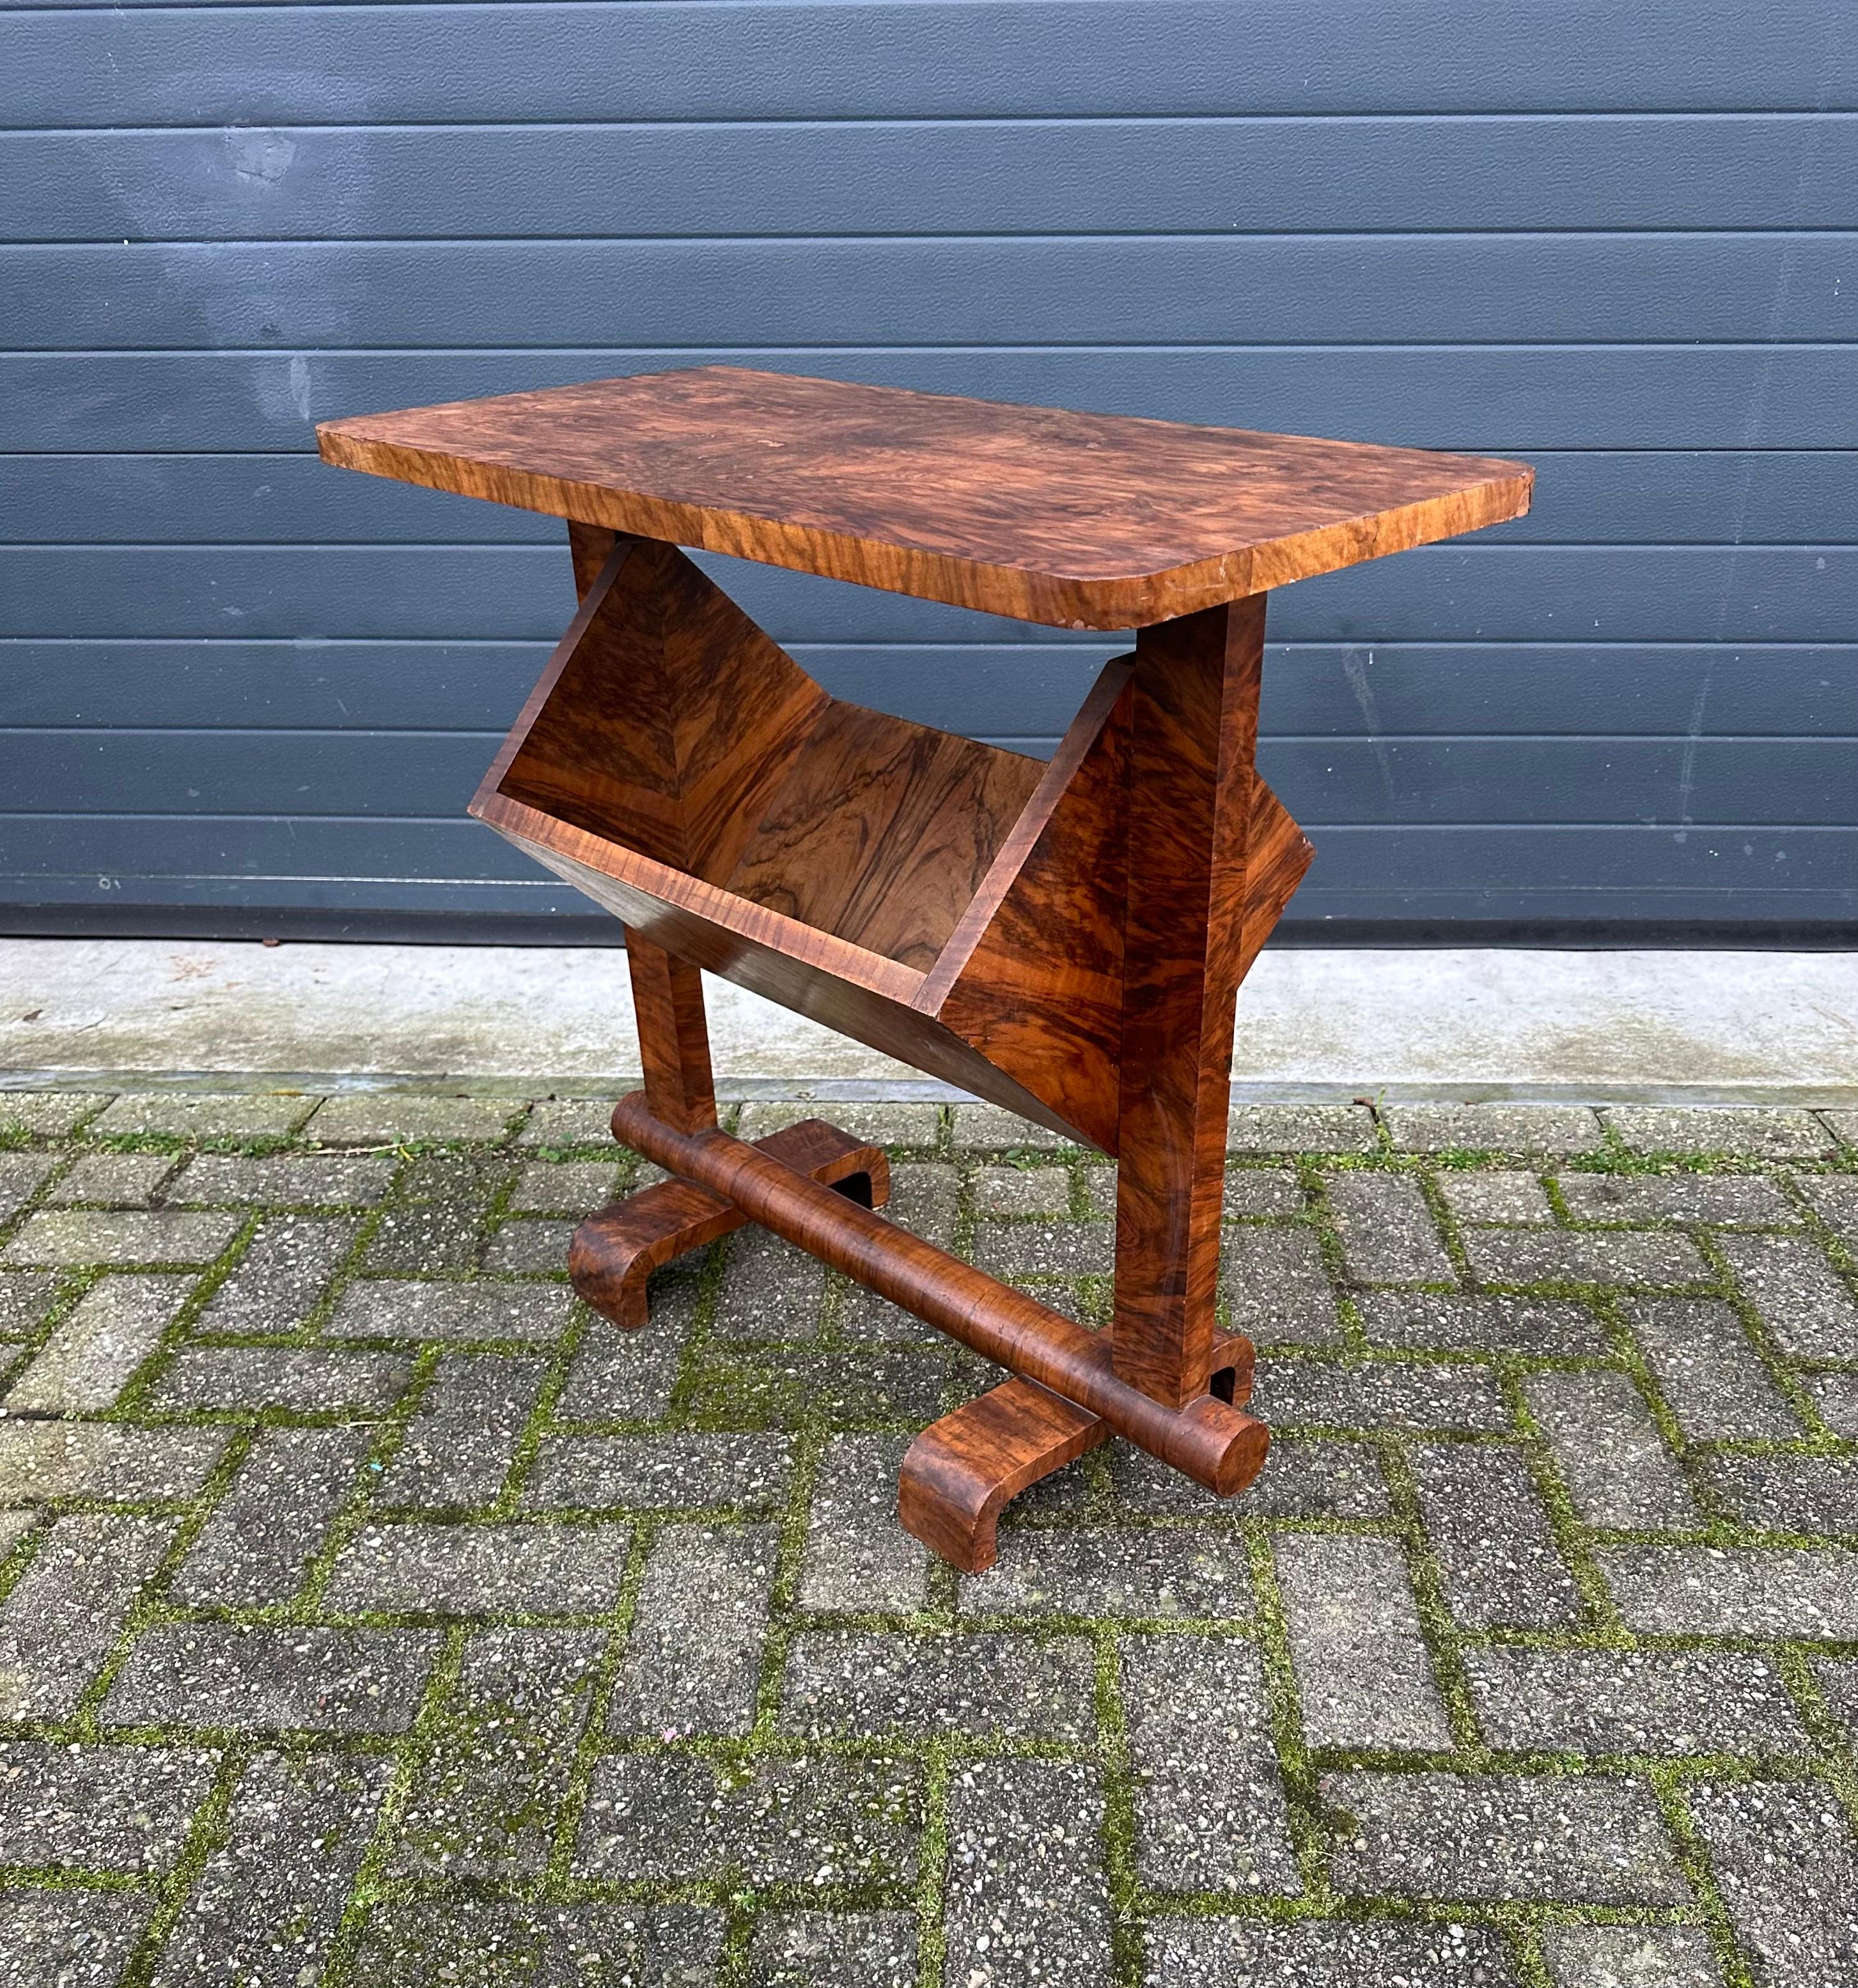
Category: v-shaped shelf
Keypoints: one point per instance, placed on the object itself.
(949, 903)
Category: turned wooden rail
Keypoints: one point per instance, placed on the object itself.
(1065, 939)
(1209, 1439)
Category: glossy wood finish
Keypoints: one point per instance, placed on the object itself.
(1066, 940)
(670, 721)
(955, 907)
(673, 1035)
(682, 770)
(884, 831)
(614, 1252)
(1214, 1442)
(859, 994)
(1076, 520)
(1276, 857)
(1193, 739)
(1033, 977)
(589, 547)
(961, 1471)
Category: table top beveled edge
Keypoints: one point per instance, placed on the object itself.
(1017, 591)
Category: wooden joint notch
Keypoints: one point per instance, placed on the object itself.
(1211, 1440)
(615, 1250)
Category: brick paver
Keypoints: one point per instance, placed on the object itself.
(21, 1176)
(109, 1180)
(284, 1268)
(1762, 1133)
(796, 1818)
(70, 1238)
(117, 1809)
(1028, 1896)
(94, 1350)
(184, 1115)
(1364, 1676)
(1388, 1234)
(266, 1906)
(487, 1798)
(693, 1659)
(1210, 1807)
(270, 1523)
(370, 1613)
(1598, 1839)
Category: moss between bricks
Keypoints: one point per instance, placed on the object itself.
(716, 1395)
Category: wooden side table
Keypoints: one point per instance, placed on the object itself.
(1066, 939)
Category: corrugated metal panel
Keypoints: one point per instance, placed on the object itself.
(1618, 241)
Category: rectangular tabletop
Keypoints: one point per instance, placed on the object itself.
(1082, 521)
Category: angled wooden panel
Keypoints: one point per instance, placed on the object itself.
(742, 710)
(860, 994)
(883, 830)
(1033, 977)
(668, 718)
(589, 546)
(1275, 859)
(595, 747)
(595, 859)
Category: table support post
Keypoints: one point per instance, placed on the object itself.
(1193, 735)
(673, 1035)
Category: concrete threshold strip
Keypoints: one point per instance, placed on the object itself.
(880, 1091)
(1315, 1026)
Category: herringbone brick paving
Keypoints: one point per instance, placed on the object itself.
(370, 1614)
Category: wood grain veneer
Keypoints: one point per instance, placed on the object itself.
(1212, 1440)
(1066, 940)
(613, 1253)
(1076, 520)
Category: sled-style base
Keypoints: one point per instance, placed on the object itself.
(959, 1472)
(1068, 1396)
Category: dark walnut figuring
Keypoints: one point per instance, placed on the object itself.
(1078, 521)
(957, 907)
(1066, 939)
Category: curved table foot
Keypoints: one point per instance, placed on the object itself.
(959, 1473)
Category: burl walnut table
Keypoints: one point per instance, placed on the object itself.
(1066, 939)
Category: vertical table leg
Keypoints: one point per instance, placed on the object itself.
(667, 994)
(1193, 736)
(589, 546)
(673, 1035)
(615, 1250)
